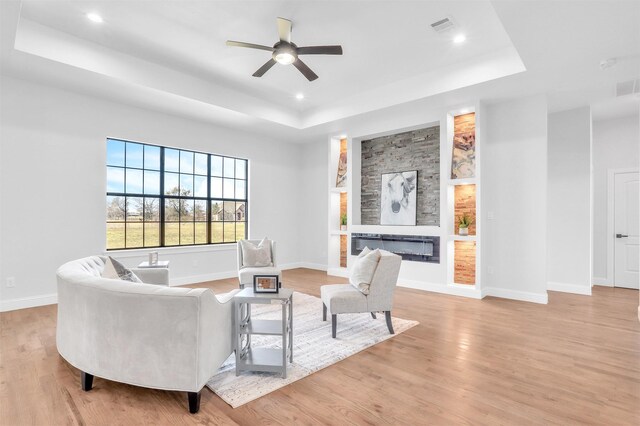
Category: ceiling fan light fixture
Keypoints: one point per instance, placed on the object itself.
(285, 58)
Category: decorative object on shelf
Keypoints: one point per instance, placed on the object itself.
(343, 222)
(265, 284)
(464, 222)
(463, 163)
(341, 179)
(398, 198)
(153, 258)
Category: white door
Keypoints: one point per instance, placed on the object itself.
(626, 224)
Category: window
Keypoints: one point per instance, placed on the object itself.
(162, 197)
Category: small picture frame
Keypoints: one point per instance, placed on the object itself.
(265, 284)
(153, 258)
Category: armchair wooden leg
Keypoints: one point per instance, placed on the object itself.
(87, 381)
(387, 315)
(194, 402)
(373, 315)
(324, 312)
(334, 325)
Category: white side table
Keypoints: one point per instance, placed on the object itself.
(160, 264)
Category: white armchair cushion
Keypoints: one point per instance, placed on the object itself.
(117, 271)
(363, 270)
(256, 255)
(246, 274)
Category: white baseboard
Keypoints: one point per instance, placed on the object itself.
(454, 290)
(605, 282)
(524, 296)
(306, 265)
(28, 302)
(569, 288)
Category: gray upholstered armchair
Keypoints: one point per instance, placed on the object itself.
(346, 299)
(145, 335)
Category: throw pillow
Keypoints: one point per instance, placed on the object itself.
(117, 271)
(256, 255)
(365, 251)
(363, 269)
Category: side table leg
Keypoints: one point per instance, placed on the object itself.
(291, 328)
(284, 340)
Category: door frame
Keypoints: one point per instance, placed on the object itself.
(611, 187)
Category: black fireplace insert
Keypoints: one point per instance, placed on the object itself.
(419, 248)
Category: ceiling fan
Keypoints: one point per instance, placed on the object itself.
(285, 52)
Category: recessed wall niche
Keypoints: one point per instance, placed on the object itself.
(414, 150)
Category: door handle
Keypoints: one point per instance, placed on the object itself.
(621, 236)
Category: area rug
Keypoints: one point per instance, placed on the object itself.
(313, 347)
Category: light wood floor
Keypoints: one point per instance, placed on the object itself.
(494, 361)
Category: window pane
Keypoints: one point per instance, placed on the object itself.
(201, 232)
(134, 155)
(151, 209)
(171, 160)
(228, 190)
(229, 210)
(200, 210)
(134, 181)
(134, 235)
(241, 169)
(186, 210)
(151, 234)
(241, 230)
(115, 235)
(134, 209)
(171, 209)
(171, 183)
(216, 187)
(115, 153)
(216, 165)
(186, 185)
(115, 209)
(216, 232)
(186, 162)
(216, 211)
(240, 212)
(241, 189)
(152, 183)
(229, 167)
(201, 164)
(200, 186)
(115, 179)
(152, 157)
(171, 234)
(186, 233)
(229, 232)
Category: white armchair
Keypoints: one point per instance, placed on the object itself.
(346, 299)
(246, 273)
(145, 335)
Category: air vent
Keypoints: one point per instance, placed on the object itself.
(628, 87)
(444, 24)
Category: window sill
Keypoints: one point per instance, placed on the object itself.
(171, 250)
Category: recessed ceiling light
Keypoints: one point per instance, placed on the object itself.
(460, 38)
(94, 17)
(300, 96)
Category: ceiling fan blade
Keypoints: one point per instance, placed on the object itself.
(284, 29)
(305, 70)
(248, 45)
(320, 50)
(266, 67)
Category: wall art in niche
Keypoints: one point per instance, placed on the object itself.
(398, 204)
(463, 163)
(341, 179)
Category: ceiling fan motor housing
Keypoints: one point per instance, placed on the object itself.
(285, 53)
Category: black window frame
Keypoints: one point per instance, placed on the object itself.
(163, 197)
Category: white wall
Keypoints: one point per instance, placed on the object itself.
(569, 201)
(616, 145)
(53, 186)
(314, 205)
(514, 194)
